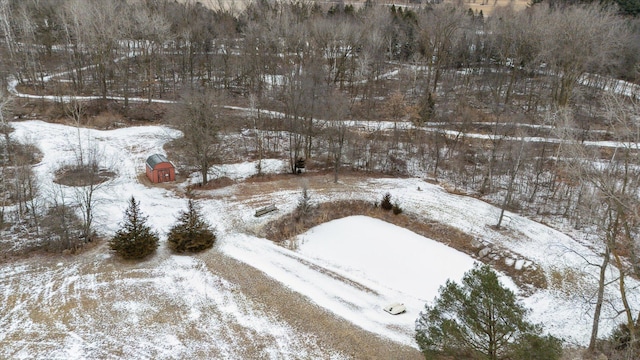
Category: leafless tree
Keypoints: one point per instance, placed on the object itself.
(101, 26)
(255, 115)
(513, 173)
(5, 111)
(96, 177)
(612, 182)
(30, 68)
(514, 43)
(198, 117)
(371, 60)
(75, 111)
(76, 39)
(6, 14)
(6, 104)
(497, 140)
(578, 39)
(336, 41)
(337, 130)
(60, 225)
(439, 31)
(151, 30)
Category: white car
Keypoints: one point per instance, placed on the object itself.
(395, 309)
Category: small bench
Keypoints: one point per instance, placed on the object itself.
(265, 210)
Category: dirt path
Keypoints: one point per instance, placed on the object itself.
(293, 308)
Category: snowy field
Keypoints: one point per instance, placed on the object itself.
(96, 306)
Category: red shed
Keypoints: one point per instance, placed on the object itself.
(159, 169)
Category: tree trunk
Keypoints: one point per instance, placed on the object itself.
(625, 302)
(204, 170)
(507, 197)
(599, 300)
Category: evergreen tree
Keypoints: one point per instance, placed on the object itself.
(386, 204)
(629, 7)
(191, 233)
(426, 109)
(135, 239)
(481, 320)
(304, 205)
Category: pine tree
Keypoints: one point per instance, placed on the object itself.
(481, 320)
(191, 233)
(135, 239)
(386, 204)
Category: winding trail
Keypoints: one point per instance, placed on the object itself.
(607, 84)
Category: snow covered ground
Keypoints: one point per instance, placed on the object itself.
(357, 265)
(351, 267)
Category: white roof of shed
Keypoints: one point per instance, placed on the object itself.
(156, 159)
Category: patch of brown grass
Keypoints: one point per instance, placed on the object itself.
(569, 282)
(82, 175)
(216, 183)
(262, 178)
(106, 120)
(21, 154)
(288, 226)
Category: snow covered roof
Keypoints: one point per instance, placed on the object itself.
(156, 159)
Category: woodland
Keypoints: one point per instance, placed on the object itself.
(536, 110)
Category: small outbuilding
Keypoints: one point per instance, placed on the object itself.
(160, 169)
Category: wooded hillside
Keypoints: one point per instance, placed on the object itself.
(535, 111)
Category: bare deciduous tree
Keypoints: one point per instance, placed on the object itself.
(513, 172)
(198, 117)
(96, 176)
(612, 184)
(514, 44)
(152, 32)
(61, 227)
(440, 28)
(579, 39)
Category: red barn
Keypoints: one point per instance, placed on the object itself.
(159, 169)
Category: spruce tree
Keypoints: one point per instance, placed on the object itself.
(191, 233)
(135, 239)
(386, 204)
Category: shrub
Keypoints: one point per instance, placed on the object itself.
(397, 210)
(191, 233)
(304, 208)
(134, 240)
(62, 228)
(386, 204)
(620, 344)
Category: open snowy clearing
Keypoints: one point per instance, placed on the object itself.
(172, 308)
(357, 265)
(94, 305)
